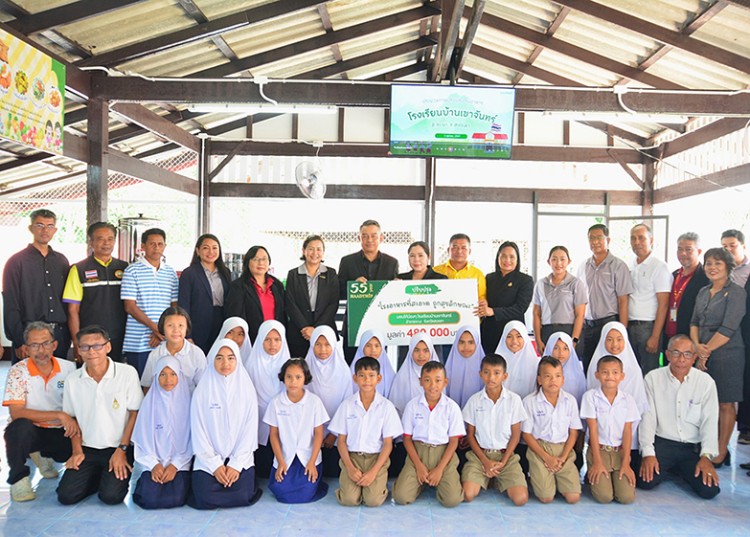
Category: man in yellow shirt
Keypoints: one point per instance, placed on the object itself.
(458, 266)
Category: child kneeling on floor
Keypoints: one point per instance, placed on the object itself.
(366, 424)
(432, 427)
(493, 417)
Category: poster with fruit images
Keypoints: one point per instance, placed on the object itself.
(32, 95)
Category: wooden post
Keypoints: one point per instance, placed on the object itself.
(97, 171)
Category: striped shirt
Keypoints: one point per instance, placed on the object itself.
(153, 291)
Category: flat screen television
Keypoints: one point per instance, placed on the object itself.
(430, 120)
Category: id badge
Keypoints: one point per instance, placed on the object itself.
(673, 314)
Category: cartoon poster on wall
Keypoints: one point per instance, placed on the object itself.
(32, 95)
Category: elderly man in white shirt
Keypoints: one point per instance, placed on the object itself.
(679, 432)
(104, 397)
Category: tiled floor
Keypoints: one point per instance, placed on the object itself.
(669, 510)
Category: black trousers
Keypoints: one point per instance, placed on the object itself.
(23, 437)
(92, 476)
(678, 458)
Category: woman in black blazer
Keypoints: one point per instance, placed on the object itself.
(303, 317)
(508, 295)
(256, 296)
(203, 299)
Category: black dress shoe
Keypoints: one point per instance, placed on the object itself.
(745, 465)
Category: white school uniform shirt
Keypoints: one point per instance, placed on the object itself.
(192, 361)
(551, 423)
(102, 408)
(366, 429)
(492, 420)
(610, 418)
(436, 426)
(685, 411)
(296, 423)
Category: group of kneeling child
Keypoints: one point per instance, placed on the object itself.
(411, 422)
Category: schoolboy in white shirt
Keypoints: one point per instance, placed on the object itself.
(432, 427)
(366, 424)
(551, 430)
(611, 416)
(493, 419)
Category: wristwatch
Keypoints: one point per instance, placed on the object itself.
(123, 447)
(575, 340)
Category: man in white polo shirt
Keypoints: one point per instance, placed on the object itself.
(38, 427)
(649, 302)
(104, 397)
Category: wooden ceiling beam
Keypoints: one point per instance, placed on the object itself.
(700, 136)
(197, 33)
(469, 33)
(522, 67)
(322, 41)
(137, 89)
(578, 53)
(69, 13)
(519, 152)
(729, 178)
(551, 29)
(140, 115)
(442, 193)
(668, 37)
(449, 28)
(368, 59)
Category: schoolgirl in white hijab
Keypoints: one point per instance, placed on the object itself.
(462, 366)
(386, 369)
(223, 422)
(162, 439)
(264, 368)
(633, 381)
(406, 384)
(522, 364)
(229, 330)
(331, 380)
(575, 379)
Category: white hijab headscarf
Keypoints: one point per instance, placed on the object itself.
(463, 373)
(575, 379)
(522, 365)
(331, 380)
(224, 415)
(264, 371)
(633, 381)
(230, 324)
(386, 369)
(406, 384)
(162, 429)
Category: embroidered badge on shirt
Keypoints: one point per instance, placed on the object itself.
(118, 274)
(90, 274)
(115, 404)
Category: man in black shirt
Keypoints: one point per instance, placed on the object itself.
(367, 264)
(33, 282)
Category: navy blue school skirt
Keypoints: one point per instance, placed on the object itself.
(295, 488)
(152, 495)
(207, 493)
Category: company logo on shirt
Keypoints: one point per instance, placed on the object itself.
(118, 274)
(60, 384)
